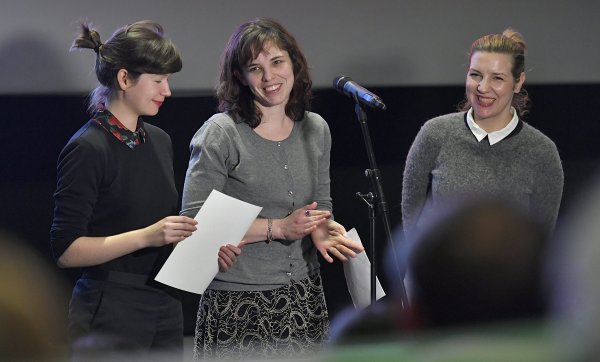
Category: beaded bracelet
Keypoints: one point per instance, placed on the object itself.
(269, 230)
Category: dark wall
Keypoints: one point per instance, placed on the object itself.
(35, 128)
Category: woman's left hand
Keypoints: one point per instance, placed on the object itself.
(330, 239)
(227, 256)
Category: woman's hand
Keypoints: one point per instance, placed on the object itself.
(300, 223)
(171, 229)
(89, 251)
(227, 256)
(329, 239)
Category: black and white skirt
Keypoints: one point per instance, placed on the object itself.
(289, 321)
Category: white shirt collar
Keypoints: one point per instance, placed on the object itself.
(496, 136)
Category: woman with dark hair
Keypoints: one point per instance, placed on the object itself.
(485, 149)
(267, 149)
(115, 212)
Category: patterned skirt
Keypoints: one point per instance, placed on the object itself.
(289, 321)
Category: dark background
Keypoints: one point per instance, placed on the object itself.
(36, 127)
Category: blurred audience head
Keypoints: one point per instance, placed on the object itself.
(32, 304)
(480, 261)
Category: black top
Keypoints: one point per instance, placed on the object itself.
(106, 188)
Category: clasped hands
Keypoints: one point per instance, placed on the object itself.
(327, 235)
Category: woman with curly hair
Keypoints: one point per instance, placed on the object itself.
(267, 149)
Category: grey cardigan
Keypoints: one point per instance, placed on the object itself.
(278, 176)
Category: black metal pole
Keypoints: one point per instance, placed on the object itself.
(379, 204)
(368, 199)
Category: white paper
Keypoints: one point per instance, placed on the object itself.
(358, 277)
(193, 263)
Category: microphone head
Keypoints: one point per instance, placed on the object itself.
(356, 92)
(340, 81)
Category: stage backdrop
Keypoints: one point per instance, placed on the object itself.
(378, 42)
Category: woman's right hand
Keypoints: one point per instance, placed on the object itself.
(227, 256)
(300, 223)
(171, 229)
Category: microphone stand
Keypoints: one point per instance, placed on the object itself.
(376, 200)
(368, 199)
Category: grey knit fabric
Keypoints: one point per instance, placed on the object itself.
(279, 176)
(446, 162)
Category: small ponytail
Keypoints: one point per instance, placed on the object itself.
(139, 48)
(88, 38)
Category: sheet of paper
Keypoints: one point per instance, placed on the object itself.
(193, 263)
(358, 277)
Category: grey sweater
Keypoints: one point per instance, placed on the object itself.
(279, 176)
(446, 161)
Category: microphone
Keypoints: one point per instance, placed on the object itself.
(347, 86)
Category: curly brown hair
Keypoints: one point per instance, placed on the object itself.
(247, 41)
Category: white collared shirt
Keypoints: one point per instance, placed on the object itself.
(496, 136)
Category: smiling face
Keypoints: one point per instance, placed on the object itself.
(147, 93)
(270, 77)
(490, 87)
